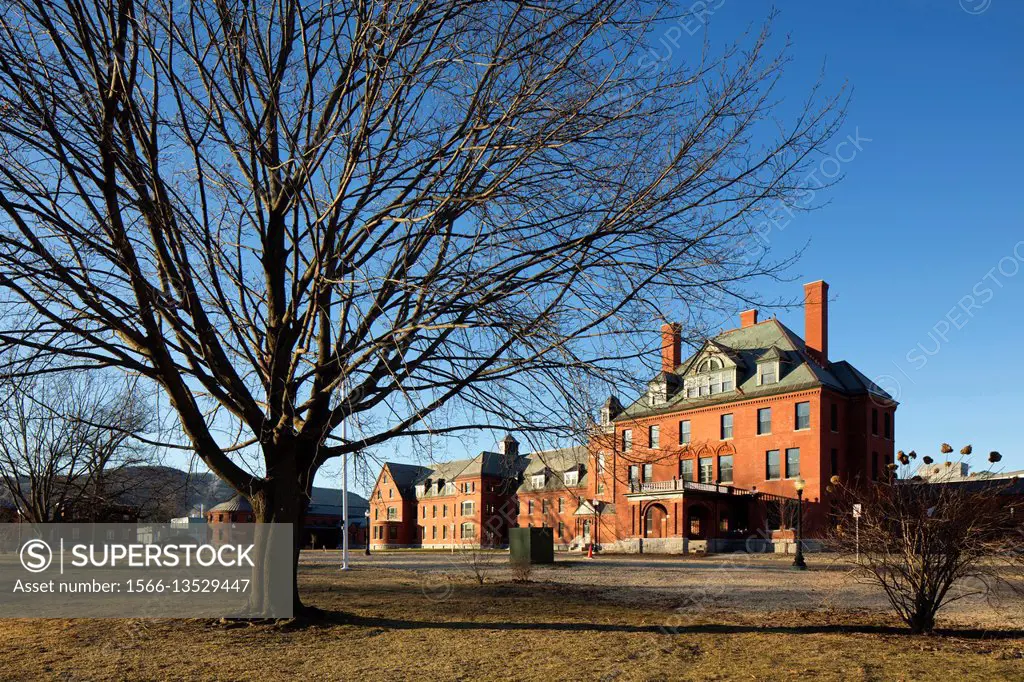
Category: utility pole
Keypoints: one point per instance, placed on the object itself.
(344, 493)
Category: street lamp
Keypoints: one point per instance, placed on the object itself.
(799, 562)
(367, 515)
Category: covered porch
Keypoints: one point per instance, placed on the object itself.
(687, 516)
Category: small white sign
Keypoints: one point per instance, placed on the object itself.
(856, 511)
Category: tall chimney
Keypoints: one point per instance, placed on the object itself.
(816, 321)
(671, 346)
(748, 318)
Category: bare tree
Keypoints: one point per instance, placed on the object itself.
(416, 217)
(67, 442)
(928, 544)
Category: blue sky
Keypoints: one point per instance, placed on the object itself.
(923, 241)
(930, 210)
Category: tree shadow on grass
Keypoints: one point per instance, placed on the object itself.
(703, 628)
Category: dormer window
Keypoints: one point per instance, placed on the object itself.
(538, 480)
(421, 490)
(768, 373)
(440, 485)
(572, 477)
(711, 377)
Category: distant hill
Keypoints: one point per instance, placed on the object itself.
(162, 493)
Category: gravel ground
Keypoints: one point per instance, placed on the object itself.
(674, 584)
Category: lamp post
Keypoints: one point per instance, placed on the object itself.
(799, 562)
(367, 515)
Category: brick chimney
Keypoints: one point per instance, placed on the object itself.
(816, 321)
(748, 318)
(671, 346)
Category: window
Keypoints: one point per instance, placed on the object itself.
(468, 531)
(834, 418)
(444, 511)
(726, 426)
(392, 513)
(390, 493)
(803, 416)
(725, 469)
(834, 461)
(561, 529)
(561, 505)
(874, 466)
(684, 432)
(467, 508)
(634, 472)
(444, 532)
(707, 470)
(768, 373)
(772, 471)
(538, 480)
(392, 532)
(686, 470)
(648, 473)
(792, 462)
(627, 440)
(434, 511)
(433, 532)
(572, 477)
(654, 435)
(543, 506)
(376, 514)
(887, 429)
(874, 421)
(764, 421)
(529, 507)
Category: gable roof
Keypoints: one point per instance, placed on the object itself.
(492, 464)
(558, 462)
(745, 346)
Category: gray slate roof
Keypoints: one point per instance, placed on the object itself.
(748, 344)
(557, 462)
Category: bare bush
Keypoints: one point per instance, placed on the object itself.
(521, 571)
(928, 544)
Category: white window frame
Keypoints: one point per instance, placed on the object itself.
(760, 373)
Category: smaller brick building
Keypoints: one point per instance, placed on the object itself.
(322, 527)
(464, 503)
(553, 495)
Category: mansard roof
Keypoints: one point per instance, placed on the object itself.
(745, 346)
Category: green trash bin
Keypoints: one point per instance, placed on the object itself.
(531, 546)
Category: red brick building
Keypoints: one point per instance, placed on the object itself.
(705, 460)
(708, 456)
(465, 503)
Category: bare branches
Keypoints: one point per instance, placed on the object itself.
(64, 439)
(441, 206)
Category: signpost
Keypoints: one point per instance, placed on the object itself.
(856, 527)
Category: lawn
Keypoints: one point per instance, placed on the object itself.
(417, 616)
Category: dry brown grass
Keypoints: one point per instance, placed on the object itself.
(403, 625)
